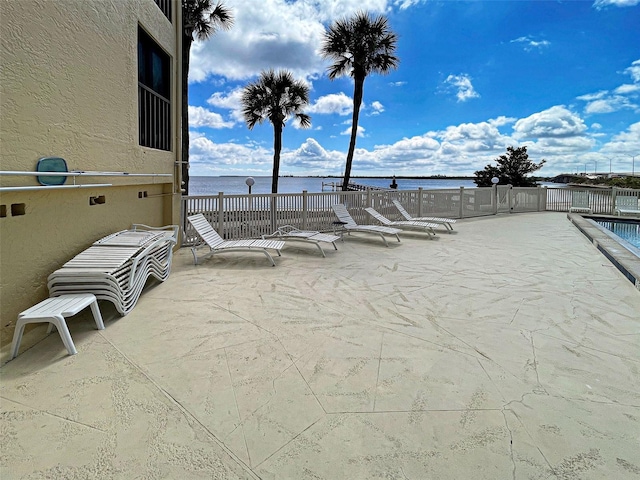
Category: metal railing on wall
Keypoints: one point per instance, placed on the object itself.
(73, 175)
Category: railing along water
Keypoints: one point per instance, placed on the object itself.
(253, 215)
(601, 200)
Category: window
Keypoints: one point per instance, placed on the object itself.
(165, 6)
(154, 91)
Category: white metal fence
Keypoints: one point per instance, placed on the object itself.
(601, 200)
(245, 216)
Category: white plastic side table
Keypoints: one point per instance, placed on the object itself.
(54, 310)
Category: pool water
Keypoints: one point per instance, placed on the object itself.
(627, 230)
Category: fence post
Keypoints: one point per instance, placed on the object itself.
(614, 194)
(221, 214)
(184, 213)
(419, 202)
(304, 210)
(461, 202)
(540, 197)
(510, 198)
(273, 212)
(369, 197)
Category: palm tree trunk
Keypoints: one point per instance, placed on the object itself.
(357, 101)
(277, 146)
(186, 50)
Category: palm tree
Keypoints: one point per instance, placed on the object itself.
(359, 45)
(201, 20)
(275, 96)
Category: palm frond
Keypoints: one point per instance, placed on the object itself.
(274, 96)
(360, 45)
(201, 19)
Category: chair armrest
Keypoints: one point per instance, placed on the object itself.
(169, 228)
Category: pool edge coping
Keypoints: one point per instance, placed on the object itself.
(618, 254)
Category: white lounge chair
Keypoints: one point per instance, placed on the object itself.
(403, 224)
(446, 222)
(627, 205)
(289, 232)
(217, 244)
(350, 225)
(580, 202)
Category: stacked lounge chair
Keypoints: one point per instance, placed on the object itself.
(116, 268)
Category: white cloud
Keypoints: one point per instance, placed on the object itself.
(230, 101)
(626, 143)
(462, 85)
(589, 97)
(485, 132)
(313, 158)
(634, 70)
(360, 131)
(334, 103)
(608, 105)
(272, 34)
(205, 155)
(404, 4)
(627, 89)
(623, 97)
(377, 108)
(397, 84)
(557, 134)
(501, 120)
(201, 117)
(600, 4)
(531, 44)
(555, 122)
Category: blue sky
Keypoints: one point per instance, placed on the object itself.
(560, 77)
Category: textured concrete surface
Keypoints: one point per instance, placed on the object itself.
(509, 349)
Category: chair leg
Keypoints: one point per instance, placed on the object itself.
(63, 330)
(97, 316)
(17, 338)
(273, 264)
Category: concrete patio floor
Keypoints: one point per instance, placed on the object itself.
(509, 349)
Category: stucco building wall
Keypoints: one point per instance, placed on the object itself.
(69, 88)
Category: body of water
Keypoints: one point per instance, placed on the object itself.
(627, 230)
(236, 185)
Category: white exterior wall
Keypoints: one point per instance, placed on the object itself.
(69, 88)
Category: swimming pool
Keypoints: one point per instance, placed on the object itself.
(628, 230)
(621, 253)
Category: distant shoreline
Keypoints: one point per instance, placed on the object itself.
(398, 177)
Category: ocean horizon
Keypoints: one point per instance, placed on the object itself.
(234, 185)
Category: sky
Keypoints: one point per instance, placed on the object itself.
(559, 77)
